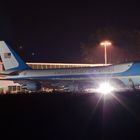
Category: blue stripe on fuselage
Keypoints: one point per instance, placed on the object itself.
(134, 70)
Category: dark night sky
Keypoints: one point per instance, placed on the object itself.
(54, 30)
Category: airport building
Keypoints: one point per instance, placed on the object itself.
(60, 65)
(55, 65)
(11, 87)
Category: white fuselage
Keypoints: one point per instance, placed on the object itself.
(120, 71)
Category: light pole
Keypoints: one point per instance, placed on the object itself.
(105, 44)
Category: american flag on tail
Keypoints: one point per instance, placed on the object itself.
(7, 55)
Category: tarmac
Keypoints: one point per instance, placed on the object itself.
(70, 116)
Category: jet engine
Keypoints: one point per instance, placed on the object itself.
(31, 86)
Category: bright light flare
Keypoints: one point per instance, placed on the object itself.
(105, 88)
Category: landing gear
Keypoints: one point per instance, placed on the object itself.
(132, 86)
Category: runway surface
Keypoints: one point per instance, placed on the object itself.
(70, 116)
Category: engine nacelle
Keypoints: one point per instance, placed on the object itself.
(31, 86)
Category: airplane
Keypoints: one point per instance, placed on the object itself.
(119, 76)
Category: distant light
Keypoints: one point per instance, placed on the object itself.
(105, 88)
(33, 53)
(105, 43)
(20, 47)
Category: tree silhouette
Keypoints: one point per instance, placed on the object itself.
(125, 46)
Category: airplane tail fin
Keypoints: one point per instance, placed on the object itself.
(11, 61)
